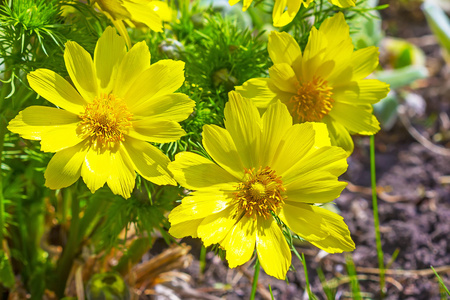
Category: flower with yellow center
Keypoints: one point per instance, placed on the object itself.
(284, 11)
(120, 103)
(326, 83)
(266, 171)
(151, 13)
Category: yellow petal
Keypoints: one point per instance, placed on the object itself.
(34, 121)
(340, 49)
(65, 167)
(284, 78)
(120, 26)
(142, 12)
(56, 128)
(163, 10)
(196, 172)
(220, 146)
(96, 168)
(356, 118)
(364, 61)
(282, 17)
(243, 122)
(233, 2)
(339, 136)
(338, 239)
(335, 30)
(329, 158)
(162, 78)
(81, 69)
(333, 244)
(135, 61)
(187, 228)
(59, 138)
(313, 53)
(319, 226)
(56, 89)
(365, 91)
(108, 55)
(121, 175)
(156, 130)
(261, 91)
(199, 205)
(342, 70)
(246, 4)
(272, 249)
(149, 161)
(215, 227)
(175, 107)
(283, 48)
(343, 3)
(321, 137)
(115, 8)
(240, 242)
(302, 219)
(187, 217)
(276, 121)
(294, 144)
(316, 186)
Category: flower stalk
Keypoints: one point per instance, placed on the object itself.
(376, 218)
(255, 279)
(72, 247)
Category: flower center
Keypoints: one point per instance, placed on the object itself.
(260, 193)
(105, 120)
(313, 100)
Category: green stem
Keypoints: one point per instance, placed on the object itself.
(202, 260)
(2, 200)
(308, 286)
(375, 216)
(255, 279)
(71, 249)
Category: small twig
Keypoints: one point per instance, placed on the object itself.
(418, 136)
(406, 273)
(346, 279)
(380, 193)
(79, 283)
(424, 40)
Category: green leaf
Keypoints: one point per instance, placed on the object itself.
(107, 286)
(6, 272)
(398, 78)
(386, 110)
(439, 23)
(133, 255)
(441, 282)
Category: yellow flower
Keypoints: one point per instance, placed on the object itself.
(284, 11)
(119, 105)
(264, 167)
(148, 12)
(324, 84)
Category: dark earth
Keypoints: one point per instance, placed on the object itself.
(413, 196)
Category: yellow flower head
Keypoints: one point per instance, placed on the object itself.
(324, 84)
(102, 131)
(264, 167)
(284, 11)
(151, 13)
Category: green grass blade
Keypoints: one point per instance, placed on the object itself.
(255, 279)
(354, 283)
(326, 287)
(441, 282)
(375, 216)
(308, 286)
